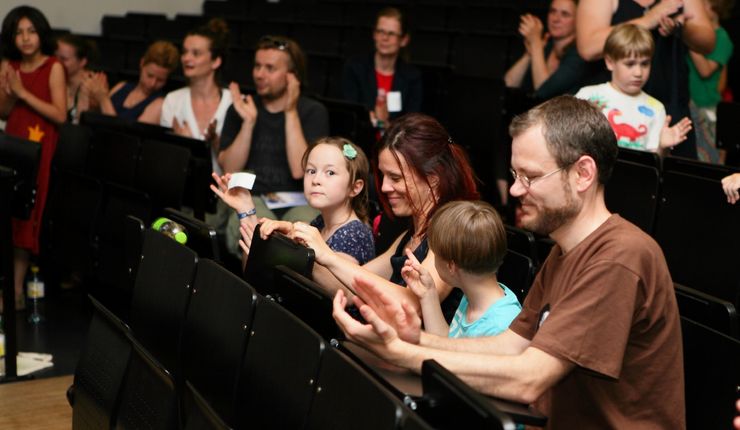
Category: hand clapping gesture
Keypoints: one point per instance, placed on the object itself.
(244, 105)
(531, 29)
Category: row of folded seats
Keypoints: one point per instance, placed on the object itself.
(203, 349)
(268, 356)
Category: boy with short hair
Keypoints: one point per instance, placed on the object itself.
(639, 121)
(469, 244)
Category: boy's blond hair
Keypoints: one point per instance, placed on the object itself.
(470, 234)
(628, 40)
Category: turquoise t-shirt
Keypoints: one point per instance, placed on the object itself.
(704, 91)
(496, 319)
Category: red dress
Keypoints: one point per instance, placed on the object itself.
(26, 123)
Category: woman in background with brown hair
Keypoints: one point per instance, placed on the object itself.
(142, 100)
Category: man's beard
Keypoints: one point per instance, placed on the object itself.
(550, 219)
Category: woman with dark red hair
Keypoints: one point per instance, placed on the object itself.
(418, 169)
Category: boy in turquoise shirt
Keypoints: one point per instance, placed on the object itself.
(469, 244)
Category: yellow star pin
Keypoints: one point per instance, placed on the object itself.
(35, 133)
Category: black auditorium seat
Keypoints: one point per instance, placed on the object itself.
(100, 371)
(199, 415)
(710, 311)
(305, 299)
(265, 255)
(162, 172)
(279, 373)
(517, 272)
(161, 296)
(633, 192)
(215, 332)
(202, 238)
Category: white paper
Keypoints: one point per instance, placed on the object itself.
(394, 101)
(284, 199)
(242, 179)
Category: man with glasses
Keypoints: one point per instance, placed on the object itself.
(598, 341)
(268, 134)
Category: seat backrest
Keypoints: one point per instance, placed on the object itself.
(694, 215)
(523, 242)
(449, 403)
(215, 333)
(162, 172)
(202, 237)
(161, 296)
(710, 311)
(72, 148)
(265, 255)
(517, 273)
(305, 299)
(279, 371)
(632, 192)
(647, 158)
(113, 157)
(349, 397)
(728, 136)
(133, 243)
(711, 374)
(198, 413)
(148, 398)
(100, 370)
(23, 157)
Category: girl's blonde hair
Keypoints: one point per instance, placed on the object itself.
(357, 166)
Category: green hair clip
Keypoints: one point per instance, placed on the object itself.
(349, 151)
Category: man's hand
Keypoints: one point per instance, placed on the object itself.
(377, 336)
(398, 314)
(244, 105)
(293, 91)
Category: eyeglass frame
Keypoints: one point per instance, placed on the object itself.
(527, 182)
(385, 33)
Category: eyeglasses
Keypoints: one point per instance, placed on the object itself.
(384, 33)
(277, 43)
(527, 182)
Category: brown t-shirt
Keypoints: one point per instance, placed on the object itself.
(608, 306)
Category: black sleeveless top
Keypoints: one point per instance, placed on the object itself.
(669, 73)
(134, 112)
(398, 259)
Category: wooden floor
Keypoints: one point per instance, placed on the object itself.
(36, 404)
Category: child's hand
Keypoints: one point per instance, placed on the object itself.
(238, 198)
(417, 277)
(15, 84)
(311, 237)
(672, 136)
(270, 225)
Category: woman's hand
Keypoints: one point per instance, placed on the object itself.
(531, 28)
(311, 237)
(237, 198)
(96, 85)
(181, 129)
(660, 11)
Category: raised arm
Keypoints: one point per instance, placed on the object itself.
(420, 282)
(698, 33)
(594, 23)
(235, 156)
(295, 141)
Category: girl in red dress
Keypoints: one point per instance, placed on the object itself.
(32, 101)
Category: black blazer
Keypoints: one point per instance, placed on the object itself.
(359, 84)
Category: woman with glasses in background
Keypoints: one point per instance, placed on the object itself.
(383, 82)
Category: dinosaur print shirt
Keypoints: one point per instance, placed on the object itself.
(636, 120)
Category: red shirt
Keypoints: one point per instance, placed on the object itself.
(385, 83)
